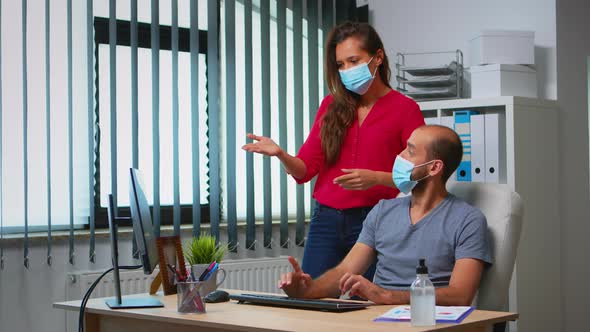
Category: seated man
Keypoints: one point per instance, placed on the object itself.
(431, 224)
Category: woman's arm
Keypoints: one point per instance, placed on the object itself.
(268, 147)
(293, 165)
(385, 179)
(363, 179)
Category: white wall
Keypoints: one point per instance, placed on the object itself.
(426, 25)
(27, 296)
(562, 49)
(573, 49)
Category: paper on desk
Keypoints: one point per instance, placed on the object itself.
(444, 314)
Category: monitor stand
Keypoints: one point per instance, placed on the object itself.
(118, 302)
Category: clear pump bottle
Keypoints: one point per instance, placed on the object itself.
(422, 297)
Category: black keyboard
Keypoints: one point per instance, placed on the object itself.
(291, 302)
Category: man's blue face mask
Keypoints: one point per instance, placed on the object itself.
(402, 174)
(358, 79)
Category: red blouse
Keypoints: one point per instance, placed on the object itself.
(374, 145)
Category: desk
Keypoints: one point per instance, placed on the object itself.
(231, 316)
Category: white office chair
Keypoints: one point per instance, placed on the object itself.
(503, 209)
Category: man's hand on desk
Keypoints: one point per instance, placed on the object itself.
(357, 285)
(296, 283)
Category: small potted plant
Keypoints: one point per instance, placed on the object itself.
(200, 252)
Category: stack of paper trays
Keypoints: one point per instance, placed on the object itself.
(435, 82)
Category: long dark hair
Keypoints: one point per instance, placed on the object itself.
(341, 112)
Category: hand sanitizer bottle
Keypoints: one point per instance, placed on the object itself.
(422, 298)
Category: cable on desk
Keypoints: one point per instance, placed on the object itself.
(92, 287)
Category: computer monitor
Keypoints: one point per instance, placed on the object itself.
(142, 222)
(144, 236)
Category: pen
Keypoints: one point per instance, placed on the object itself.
(176, 273)
(189, 272)
(207, 270)
(212, 271)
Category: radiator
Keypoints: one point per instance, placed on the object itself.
(261, 275)
(132, 282)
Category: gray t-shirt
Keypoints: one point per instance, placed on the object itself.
(451, 231)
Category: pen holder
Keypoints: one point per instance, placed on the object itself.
(189, 297)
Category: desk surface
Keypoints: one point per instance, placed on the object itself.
(231, 316)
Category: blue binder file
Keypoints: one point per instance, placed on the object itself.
(463, 129)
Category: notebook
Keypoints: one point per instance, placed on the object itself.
(444, 314)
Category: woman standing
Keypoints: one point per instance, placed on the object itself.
(359, 130)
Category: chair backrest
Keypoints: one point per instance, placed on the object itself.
(503, 209)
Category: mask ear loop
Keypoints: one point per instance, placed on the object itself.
(376, 68)
(427, 175)
(424, 164)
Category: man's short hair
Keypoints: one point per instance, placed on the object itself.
(448, 148)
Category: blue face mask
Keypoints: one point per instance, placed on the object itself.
(358, 79)
(402, 174)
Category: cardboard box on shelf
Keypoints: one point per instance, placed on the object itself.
(503, 47)
(503, 80)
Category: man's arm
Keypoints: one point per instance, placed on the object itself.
(296, 284)
(462, 287)
(464, 283)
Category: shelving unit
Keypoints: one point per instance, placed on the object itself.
(530, 161)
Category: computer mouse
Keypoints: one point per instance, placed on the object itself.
(217, 296)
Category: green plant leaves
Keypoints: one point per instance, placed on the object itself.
(203, 250)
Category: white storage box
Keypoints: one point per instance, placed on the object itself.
(503, 80)
(503, 47)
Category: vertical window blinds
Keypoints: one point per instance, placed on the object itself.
(167, 86)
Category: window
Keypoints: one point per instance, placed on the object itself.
(145, 134)
(42, 101)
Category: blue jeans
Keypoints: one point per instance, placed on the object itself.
(331, 235)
